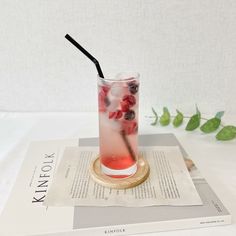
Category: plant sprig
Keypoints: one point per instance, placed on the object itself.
(156, 117)
(226, 133)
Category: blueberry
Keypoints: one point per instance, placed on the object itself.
(107, 101)
(133, 87)
(129, 115)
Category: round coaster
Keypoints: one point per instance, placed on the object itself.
(139, 177)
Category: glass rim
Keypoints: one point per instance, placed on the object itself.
(128, 76)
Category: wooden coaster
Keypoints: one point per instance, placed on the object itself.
(139, 177)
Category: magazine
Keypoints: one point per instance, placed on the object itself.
(26, 212)
(169, 182)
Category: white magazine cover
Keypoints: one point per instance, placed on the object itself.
(26, 212)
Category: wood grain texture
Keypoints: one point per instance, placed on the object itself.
(139, 177)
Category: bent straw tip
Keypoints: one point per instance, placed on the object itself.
(86, 53)
(67, 36)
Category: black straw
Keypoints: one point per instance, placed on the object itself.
(86, 53)
(127, 144)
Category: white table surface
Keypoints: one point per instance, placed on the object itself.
(216, 160)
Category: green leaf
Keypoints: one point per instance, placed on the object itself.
(194, 121)
(211, 125)
(165, 118)
(156, 117)
(219, 114)
(178, 120)
(227, 133)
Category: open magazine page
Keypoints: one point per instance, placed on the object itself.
(169, 182)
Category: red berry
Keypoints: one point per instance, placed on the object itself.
(124, 106)
(130, 99)
(111, 114)
(102, 109)
(105, 89)
(115, 114)
(101, 101)
(130, 127)
(118, 114)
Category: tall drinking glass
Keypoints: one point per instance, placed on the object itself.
(118, 124)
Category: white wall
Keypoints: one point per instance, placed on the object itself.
(185, 51)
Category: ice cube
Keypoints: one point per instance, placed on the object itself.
(114, 104)
(106, 123)
(117, 90)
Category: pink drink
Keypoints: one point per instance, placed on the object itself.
(118, 125)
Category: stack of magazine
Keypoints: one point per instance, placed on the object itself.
(25, 214)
